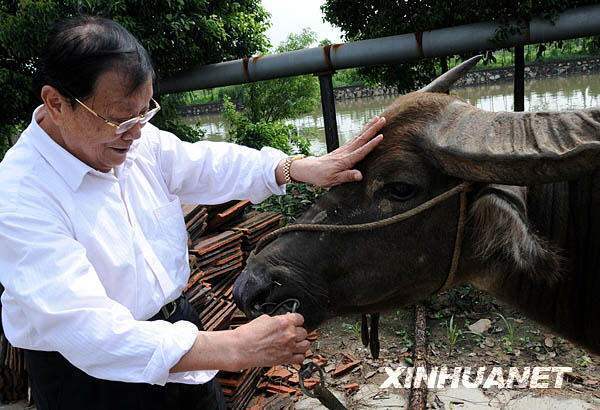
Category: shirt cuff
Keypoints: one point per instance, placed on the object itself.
(177, 342)
(196, 377)
(271, 158)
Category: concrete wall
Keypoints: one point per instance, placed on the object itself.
(199, 109)
(359, 91)
(587, 65)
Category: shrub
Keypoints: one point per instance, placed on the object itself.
(262, 133)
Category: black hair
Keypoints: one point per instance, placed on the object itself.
(82, 48)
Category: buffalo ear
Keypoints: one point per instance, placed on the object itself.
(443, 83)
(502, 235)
(514, 148)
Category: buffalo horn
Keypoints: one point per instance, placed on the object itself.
(443, 83)
(516, 148)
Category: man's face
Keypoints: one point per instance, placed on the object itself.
(92, 140)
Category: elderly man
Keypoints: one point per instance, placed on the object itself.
(93, 256)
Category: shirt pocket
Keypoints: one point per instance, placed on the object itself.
(169, 218)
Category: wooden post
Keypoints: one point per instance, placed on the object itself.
(418, 396)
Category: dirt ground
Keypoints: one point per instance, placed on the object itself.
(511, 341)
(522, 343)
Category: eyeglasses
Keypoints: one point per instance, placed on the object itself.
(130, 123)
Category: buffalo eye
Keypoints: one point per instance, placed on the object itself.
(400, 191)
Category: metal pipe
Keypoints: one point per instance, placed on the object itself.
(328, 105)
(519, 79)
(579, 22)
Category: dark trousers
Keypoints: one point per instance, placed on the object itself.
(58, 385)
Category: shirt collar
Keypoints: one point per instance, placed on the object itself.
(69, 167)
(123, 170)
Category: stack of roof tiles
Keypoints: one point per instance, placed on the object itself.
(204, 219)
(255, 226)
(239, 387)
(216, 259)
(195, 221)
(219, 215)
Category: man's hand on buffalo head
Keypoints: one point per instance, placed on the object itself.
(337, 166)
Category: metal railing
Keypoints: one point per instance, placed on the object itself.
(323, 61)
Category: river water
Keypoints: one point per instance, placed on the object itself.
(557, 93)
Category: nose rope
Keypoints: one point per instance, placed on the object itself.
(320, 392)
(462, 189)
(291, 305)
(458, 241)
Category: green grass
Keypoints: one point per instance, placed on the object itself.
(404, 338)
(585, 360)
(354, 328)
(508, 341)
(453, 333)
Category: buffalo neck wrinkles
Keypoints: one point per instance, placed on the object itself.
(567, 214)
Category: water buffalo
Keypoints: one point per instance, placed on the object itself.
(532, 221)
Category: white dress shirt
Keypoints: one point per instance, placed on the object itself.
(86, 257)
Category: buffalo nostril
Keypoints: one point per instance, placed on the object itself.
(249, 292)
(259, 299)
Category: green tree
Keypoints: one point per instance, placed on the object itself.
(350, 76)
(178, 34)
(366, 19)
(283, 98)
(268, 103)
(262, 133)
